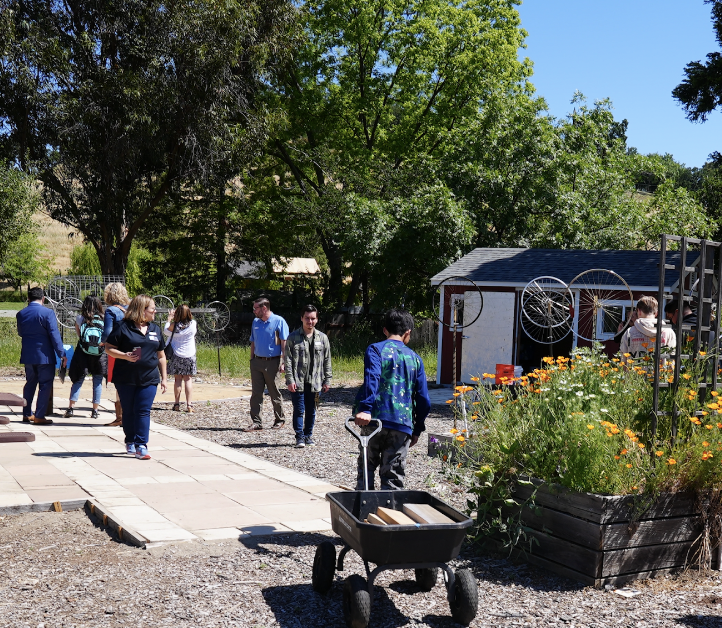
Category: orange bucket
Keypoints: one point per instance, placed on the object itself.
(504, 370)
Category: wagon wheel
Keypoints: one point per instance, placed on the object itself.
(426, 578)
(61, 287)
(324, 567)
(218, 319)
(67, 310)
(466, 597)
(598, 288)
(547, 309)
(356, 602)
(163, 305)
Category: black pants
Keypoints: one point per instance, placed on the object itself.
(387, 451)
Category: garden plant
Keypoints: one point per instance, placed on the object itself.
(585, 423)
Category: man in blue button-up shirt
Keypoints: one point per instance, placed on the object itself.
(268, 345)
(41, 342)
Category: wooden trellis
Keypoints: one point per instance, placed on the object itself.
(697, 270)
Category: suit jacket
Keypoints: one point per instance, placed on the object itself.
(38, 328)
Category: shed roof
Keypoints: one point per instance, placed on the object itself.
(517, 267)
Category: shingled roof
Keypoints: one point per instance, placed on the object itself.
(517, 267)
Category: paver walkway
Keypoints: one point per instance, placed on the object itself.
(191, 489)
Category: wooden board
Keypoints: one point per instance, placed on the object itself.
(394, 517)
(376, 520)
(425, 513)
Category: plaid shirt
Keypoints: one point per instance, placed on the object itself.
(297, 359)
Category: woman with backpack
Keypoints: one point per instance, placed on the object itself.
(181, 328)
(116, 301)
(86, 359)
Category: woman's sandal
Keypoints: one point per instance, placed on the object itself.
(190, 408)
(176, 407)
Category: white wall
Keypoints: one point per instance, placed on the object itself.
(491, 338)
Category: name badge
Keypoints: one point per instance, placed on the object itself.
(318, 346)
(152, 335)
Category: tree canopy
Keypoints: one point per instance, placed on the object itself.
(112, 104)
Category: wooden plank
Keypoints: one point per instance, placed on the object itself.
(425, 513)
(561, 524)
(394, 517)
(576, 557)
(68, 504)
(376, 520)
(620, 508)
(651, 532)
(649, 557)
(539, 561)
(575, 504)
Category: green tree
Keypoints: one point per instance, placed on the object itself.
(112, 104)
(26, 261)
(701, 91)
(18, 202)
(373, 86)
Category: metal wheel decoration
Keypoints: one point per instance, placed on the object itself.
(217, 319)
(163, 305)
(61, 287)
(603, 294)
(457, 304)
(67, 310)
(547, 309)
(455, 309)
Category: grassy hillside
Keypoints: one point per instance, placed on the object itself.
(59, 241)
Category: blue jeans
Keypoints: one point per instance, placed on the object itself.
(304, 402)
(136, 402)
(38, 375)
(97, 388)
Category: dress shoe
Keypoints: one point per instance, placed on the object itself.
(39, 421)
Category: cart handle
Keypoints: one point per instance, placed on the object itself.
(364, 440)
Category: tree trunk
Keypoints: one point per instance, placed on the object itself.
(221, 250)
(353, 289)
(333, 296)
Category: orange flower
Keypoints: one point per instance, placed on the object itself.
(460, 438)
(453, 430)
(705, 444)
(629, 466)
(616, 457)
(456, 394)
(475, 379)
(590, 426)
(709, 427)
(640, 445)
(624, 451)
(714, 393)
(659, 454)
(449, 401)
(671, 461)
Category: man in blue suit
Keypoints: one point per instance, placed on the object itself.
(41, 342)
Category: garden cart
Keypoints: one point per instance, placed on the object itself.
(425, 548)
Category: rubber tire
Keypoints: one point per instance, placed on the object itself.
(356, 602)
(324, 567)
(466, 597)
(426, 578)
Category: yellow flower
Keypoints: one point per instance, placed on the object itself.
(687, 376)
(709, 427)
(703, 353)
(714, 393)
(629, 466)
(640, 445)
(456, 394)
(449, 401)
(713, 406)
(460, 438)
(671, 461)
(453, 430)
(627, 355)
(590, 426)
(475, 379)
(705, 444)
(659, 454)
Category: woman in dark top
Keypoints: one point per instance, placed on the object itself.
(84, 363)
(137, 345)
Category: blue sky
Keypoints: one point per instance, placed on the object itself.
(634, 53)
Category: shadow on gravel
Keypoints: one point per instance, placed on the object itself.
(81, 454)
(700, 621)
(259, 445)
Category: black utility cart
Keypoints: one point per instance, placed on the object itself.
(425, 548)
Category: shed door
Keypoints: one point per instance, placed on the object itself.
(491, 338)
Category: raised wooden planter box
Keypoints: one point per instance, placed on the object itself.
(589, 537)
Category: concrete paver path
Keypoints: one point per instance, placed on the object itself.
(190, 489)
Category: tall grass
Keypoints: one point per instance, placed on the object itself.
(9, 343)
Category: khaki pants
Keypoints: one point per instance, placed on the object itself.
(263, 374)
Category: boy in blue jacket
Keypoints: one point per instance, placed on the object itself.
(394, 392)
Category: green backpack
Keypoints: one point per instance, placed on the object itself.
(90, 335)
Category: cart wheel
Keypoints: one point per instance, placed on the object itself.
(466, 597)
(356, 602)
(426, 578)
(324, 567)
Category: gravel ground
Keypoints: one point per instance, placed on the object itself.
(59, 570)
(334, 457)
